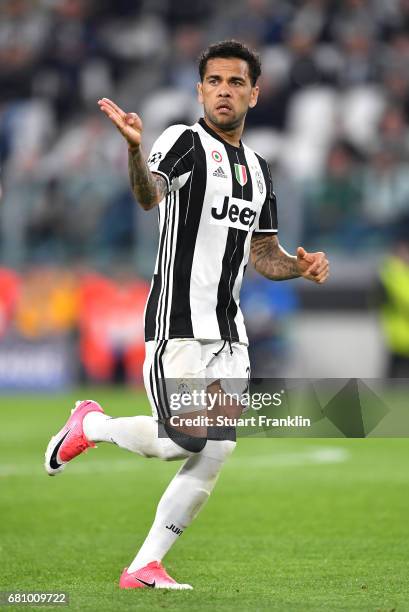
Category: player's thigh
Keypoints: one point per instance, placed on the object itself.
(173, 370)
(228, 377)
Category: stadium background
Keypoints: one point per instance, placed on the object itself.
(323, 525)
(332, 120)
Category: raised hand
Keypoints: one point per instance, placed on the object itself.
(129, 124)
(312, 266)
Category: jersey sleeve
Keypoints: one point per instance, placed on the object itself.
(267, 222)
(172, 156)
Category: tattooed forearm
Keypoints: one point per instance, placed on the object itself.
(271, 260)
(148, 188)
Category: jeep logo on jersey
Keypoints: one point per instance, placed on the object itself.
(241, 174)
(233, 213)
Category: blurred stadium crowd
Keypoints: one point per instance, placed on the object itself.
(332, 119)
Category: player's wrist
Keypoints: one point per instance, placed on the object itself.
(299, 270)
(133, 147)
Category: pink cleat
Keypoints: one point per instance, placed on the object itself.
(153, 576)
(70, 441)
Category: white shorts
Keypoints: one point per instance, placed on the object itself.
(181, 365)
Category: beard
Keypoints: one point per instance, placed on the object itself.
(228, 123)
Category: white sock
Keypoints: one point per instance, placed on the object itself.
(182, 501)
(138, 434)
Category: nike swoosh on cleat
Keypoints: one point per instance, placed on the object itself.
(53, 459)
(148, 584)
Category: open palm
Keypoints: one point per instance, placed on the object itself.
(129, 124)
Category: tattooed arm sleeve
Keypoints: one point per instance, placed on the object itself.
(271, 260)
(147, 187)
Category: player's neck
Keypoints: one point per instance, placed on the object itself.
(231, 136)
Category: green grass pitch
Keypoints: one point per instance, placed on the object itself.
(292, 525)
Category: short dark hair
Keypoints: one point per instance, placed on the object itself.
(228, 49)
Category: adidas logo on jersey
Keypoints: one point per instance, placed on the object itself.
(220, 172)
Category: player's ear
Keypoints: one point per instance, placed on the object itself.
(254, 96)
(200, 92)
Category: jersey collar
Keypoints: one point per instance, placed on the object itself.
(209, 130)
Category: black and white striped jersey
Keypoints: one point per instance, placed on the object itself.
(218, 195)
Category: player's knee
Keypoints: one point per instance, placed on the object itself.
(227, 447)
(171, 452)
(219, 450)
(221, 442)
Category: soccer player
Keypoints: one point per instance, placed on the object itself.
(216, 208)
